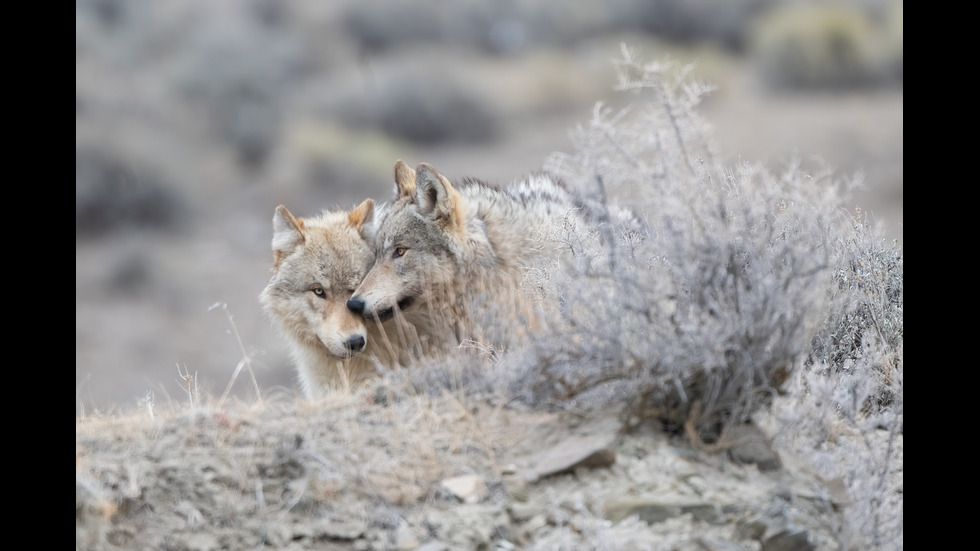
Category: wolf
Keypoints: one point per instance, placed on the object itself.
(446, 253)
(317, 264)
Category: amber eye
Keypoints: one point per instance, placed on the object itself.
(399, 251)
(318, 291)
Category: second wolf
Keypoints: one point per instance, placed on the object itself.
(452, 257)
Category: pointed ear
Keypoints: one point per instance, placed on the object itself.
(438, 197)
(287, 234)
(404, 180)
(361, 216)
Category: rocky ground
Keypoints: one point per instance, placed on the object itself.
(373, 471)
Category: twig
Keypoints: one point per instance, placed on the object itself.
(190, 383)
(246, 361)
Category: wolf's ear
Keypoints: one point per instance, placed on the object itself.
(438, 197)
(360, 217)
(404, 180)
(287, 234)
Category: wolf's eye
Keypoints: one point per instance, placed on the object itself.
(399, 251)
(318, 291)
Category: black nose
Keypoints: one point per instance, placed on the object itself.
(356, 305)
(355, 344)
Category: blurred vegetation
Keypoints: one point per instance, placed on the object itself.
(829, 45)
(424, 106)
(223, 84)
(114, 192)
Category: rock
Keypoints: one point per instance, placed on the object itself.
(404, 539)
(711, 544)
(466, 488)
(196, 542)
(276, 535)
(788, 540)
(703, 511)
(343, 529)
(468, 526)
(751, 445)
(574, 453)
(751, 529)
(653, 510)
(649, 511)
(837, 490)
(521, 512)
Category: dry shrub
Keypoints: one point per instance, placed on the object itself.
(700, 315)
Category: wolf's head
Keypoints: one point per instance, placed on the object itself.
(424, 240)
(317, 264)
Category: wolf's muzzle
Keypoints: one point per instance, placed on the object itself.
(356, 305)
(355, 344)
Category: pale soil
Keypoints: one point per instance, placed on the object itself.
(348, 473)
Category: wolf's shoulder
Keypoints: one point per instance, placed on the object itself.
(534, 188)
(542, 186)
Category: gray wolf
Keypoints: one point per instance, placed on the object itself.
(447, 252)
(317, 264)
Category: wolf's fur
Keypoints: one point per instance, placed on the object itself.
(444, 251)
(317, 264)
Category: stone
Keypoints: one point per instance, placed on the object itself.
(788, 540)
(468, 488)
(751, 445)
(574, 453)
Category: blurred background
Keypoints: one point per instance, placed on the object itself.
(194, 119)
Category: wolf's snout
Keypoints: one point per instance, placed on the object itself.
(355, 344)
(356, 305)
